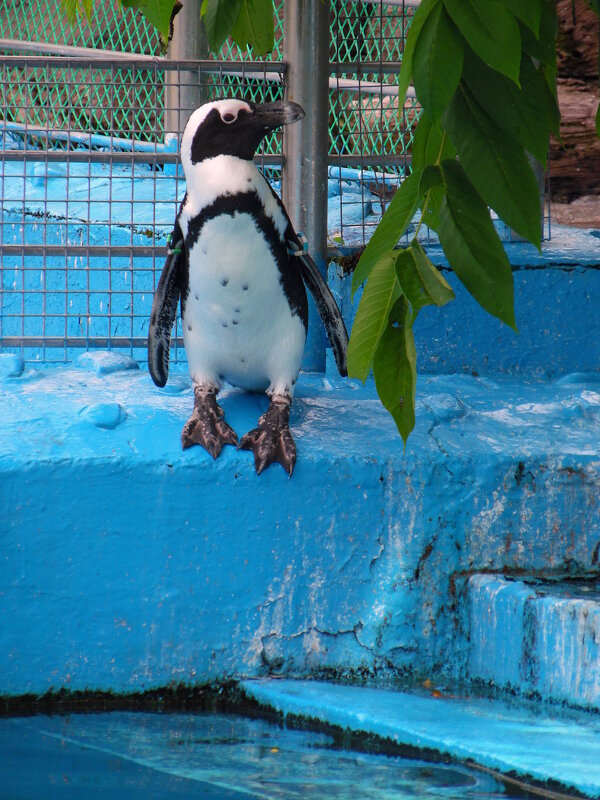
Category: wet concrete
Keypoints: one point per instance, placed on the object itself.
(535, 744)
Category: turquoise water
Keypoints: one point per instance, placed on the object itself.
(138, 755)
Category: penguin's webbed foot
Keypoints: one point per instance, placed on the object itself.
(207, 426)
(272, 441)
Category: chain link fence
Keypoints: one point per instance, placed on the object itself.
(360, 31)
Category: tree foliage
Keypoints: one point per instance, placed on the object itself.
(75, 8)
(485, 73)
(248, 22)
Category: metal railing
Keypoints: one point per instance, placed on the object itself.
(86, 212)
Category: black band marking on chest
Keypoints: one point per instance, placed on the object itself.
(251, 204)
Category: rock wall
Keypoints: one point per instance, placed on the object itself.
(575, 163)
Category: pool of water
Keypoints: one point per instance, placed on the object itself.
(119, 755)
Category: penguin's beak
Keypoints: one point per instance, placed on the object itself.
(274, 115)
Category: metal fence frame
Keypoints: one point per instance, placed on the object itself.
(89, 151)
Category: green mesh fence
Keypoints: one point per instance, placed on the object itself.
(108, 29)
(363, 118)
(128, 107)
(367, 38)
(75, 100)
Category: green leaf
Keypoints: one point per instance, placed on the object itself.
(394, 359)
(157, 12)
(528, 11)
(431, 207)
(549, 27)
(551, 94)
(71, 7)
(418, 20)
(430, 177)
(523, 112)
(393, 224)
(543, 46)
(381, 292)
(395, 368)
(76, 8)
(432, 191)
(473, 247)
(254, 26)
(219, 17)
(491, 31)
(496, 165)
(437, 62)
(420, 280)
(430, 145)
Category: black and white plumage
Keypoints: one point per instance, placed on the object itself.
(233, 267)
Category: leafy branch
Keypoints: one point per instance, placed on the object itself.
(484, 72)
(248, 22)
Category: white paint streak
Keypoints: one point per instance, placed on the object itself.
(273, 613)
(485, 519)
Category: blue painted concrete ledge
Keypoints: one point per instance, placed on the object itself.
(128, 564)
(557, 293)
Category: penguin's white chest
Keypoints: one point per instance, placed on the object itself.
(238, 325)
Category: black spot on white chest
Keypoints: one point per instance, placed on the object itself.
(238, 324)
(237, 263)
(232, 274)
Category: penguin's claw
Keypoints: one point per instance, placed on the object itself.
(269, 447)
(207, 427)
(212, 435)
(272, 441)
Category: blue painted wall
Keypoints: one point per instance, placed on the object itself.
(557, 294)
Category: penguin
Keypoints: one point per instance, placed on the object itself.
(239, 271)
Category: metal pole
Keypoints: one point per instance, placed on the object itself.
(184, 91)
(306, 144)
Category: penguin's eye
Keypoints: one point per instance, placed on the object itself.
(229, 118)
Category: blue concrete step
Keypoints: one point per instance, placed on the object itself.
(537, 637)
(518, 740)
(557, 293)
(129, 564)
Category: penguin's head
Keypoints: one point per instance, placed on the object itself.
(232, 127)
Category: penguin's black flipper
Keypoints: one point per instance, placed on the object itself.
(329, 312)
(164, 310)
